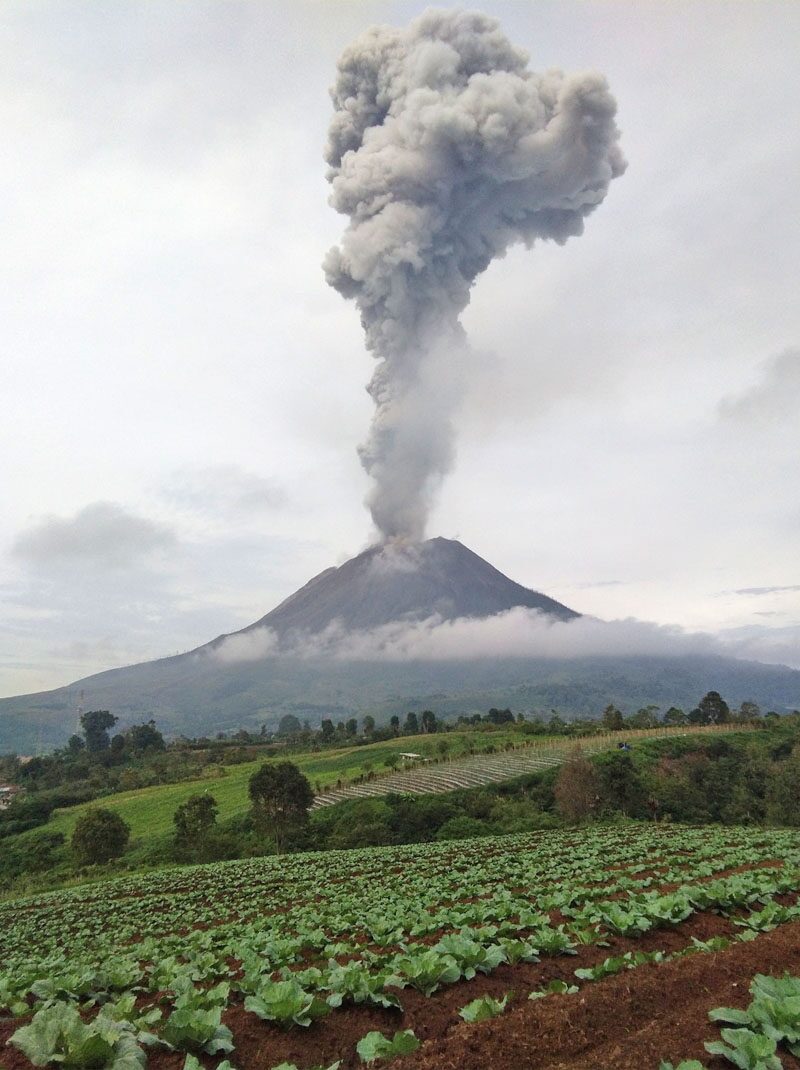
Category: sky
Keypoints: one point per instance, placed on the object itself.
(183, 395)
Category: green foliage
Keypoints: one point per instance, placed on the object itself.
(746, 1049)
(376, 1046)
(425, 970)
(195, 821)
(99, 836)
(57, 1034)
(684, 1064)
(95, 725)
(481, 1009)
(554, 988)
(281, 797)
(195, 1023)
(285, 1002)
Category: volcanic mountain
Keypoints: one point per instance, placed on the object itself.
(285, 662)
(402, 581)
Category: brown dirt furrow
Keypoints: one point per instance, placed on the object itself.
(627, 1022)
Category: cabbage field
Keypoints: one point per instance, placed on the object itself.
(605, 947)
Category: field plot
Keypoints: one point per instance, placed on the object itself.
(625, 937)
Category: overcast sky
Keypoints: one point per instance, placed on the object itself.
(183, 395)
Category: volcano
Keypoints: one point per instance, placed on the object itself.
(280, 663)
(403, 581)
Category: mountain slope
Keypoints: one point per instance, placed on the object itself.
(403, 581)
(206, 690)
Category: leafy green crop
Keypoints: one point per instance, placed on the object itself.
(481, 1009)
(425, 971)
(746, 1049)
(376, 1046)
(286, 1003)
(57, 1034)
(554, 988)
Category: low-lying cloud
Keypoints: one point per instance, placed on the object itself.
(518, 633)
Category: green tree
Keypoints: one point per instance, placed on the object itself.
(194, 820)
(428, 721)
(145, 738)
(495, 716)
(620, 785)
(351, 727)
(646, 717)
(783, 791)
(394, 724)
(411, 726)
(368, 725)
(281, 797)
(613, 721)
(674, 716)
(711, 709)
(749, 711)
(99, 836)
(326, 731)
(75, 744)
(289, 725)
(95, 725)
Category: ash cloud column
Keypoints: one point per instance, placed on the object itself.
(443, 151)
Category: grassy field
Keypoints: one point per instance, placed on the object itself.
(149, 811)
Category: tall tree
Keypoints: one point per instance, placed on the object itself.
(281, 797)
(711, 709)
(288, 725)
(674, 716)
(428, 721)
(577, 788)
(411, 727)
(193, 821)
(95, 725)
(613, 720)
(142, 738)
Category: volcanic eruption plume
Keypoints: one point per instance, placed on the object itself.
(444, 150)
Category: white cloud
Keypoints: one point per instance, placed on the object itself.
(518, 633)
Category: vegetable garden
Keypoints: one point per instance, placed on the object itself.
(605, 947)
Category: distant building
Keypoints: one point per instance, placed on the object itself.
(8, 793)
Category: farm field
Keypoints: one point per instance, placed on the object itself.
(627, 935)
(149, 811)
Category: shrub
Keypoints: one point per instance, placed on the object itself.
(99, 836)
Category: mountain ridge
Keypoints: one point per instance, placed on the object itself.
(202, 691)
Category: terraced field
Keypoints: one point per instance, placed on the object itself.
(472, 772)
(603, 948)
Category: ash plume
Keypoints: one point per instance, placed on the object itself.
(444, 150)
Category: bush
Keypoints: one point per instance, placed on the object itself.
(99, 836)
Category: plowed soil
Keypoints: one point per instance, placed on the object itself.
(627, 1022)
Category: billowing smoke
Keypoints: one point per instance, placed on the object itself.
(445, 150)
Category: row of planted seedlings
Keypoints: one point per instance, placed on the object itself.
(264, 964)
